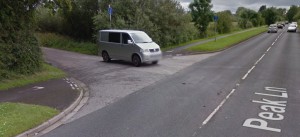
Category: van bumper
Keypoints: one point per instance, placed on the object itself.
(150, 57)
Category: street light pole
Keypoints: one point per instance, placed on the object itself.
(215, 20)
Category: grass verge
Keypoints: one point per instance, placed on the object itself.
(226, 42)
(16, 118)
(48, 72)
(199, 40)
(57, 41)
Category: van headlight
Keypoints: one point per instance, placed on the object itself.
(144, 50)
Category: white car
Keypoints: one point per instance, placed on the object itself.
(295, 23)
(292, 28)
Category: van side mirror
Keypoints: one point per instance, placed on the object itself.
(129, 41)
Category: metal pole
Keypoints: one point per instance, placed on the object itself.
(110, 21)
(215, 30)
(110, 12)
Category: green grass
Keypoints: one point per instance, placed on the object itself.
(66, 43)
(202, 39)
(16, 118)
(226, 42)
(48, 72)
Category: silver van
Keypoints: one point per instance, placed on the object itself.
(128, 45)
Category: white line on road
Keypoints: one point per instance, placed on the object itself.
(219, 106)
(72, 86)
(251, 69)
(261, 57)
(233, 90)
(245, 76)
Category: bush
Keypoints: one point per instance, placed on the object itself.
(165, 22)
(66, 43)
(19, 50)
(21, 55)
(48, 21)
(225, 22)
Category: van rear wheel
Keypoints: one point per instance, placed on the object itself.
(136, 60)
(105, 56)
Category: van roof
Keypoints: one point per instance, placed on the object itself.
(117, 30)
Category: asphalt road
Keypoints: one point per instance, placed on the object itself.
(109, 82)
(249, 90)
(56, 93)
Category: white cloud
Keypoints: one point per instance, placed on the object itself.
(221, 5)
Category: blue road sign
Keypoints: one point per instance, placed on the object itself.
(216, 18)
(110, 10)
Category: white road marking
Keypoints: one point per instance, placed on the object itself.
(170, 51)
(38, 88)
(283, 95)
(72, 86)
(256, 62)
(219, 106)
(245, 76)
(233, 90)
(273, 43)
(261, 57)
(251, 69)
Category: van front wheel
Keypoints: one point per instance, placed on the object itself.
(136, 60)
(105, 56)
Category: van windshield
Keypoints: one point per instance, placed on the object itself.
(141, 37)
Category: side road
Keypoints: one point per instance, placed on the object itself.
(58, 94)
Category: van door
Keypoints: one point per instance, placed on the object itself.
(115, 45)
(127, 49)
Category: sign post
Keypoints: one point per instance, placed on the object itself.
(110, 13)
(215, 20)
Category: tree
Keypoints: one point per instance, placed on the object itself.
(248, 18)
(69, 17)
(281, 14)
(271, 15)
(297, 16)
(19, 50)
(165, 20)
(240, 10)
(225, 22)
(291, 13)
(262, 8)
(201, 14)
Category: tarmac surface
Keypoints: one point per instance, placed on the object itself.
(62, 93)
(57, 93)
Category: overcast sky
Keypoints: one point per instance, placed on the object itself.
(220, 5)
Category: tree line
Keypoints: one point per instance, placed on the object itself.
(166, 21)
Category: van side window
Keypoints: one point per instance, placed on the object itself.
(104, 36)
(125, 38)
(114, 37)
